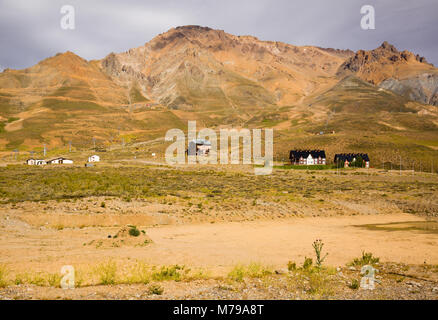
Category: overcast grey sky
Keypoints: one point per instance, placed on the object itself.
(30, 29)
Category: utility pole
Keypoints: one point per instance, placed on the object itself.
(69, 146)
(94, 143)
(45, 150)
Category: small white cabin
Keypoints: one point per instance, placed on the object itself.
(30, 162)
(94, 158)
(40, 162)
(60, 160)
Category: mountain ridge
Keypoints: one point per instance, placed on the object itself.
(221, 80)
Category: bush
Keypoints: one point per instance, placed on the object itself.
(307, 264)
(107, 272)
(155, 289)
(168, 273)
(133, 231)
(354, 284)
(291, 266)
(367, 258)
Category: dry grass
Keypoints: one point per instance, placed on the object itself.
(252, 270)
(108, 272)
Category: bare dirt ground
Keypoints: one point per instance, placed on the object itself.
(194, 250)
(220, 246)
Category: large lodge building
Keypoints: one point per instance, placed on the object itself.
(307, 157)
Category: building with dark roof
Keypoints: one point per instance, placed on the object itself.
(307, 157)
(199, 147)
(348, 158)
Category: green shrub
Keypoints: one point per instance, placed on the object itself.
(168, 273)
(291, 266)
(133, 231)
(308, 263)
(367, 258)
(354, 284)
(155, 289)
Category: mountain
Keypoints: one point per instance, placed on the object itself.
(403, 72)
(220, 79)
(196, 68)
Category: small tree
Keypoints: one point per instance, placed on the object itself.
(358, 163)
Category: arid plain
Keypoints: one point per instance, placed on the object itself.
(205, 228)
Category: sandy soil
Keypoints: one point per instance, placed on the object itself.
(219, 246)
(276, 242)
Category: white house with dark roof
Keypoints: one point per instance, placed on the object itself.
(60, 160)
(307, 157)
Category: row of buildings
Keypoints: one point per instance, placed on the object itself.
(59, 160)
(318, 157)
(201, 147)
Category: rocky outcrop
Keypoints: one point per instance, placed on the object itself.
(422, 88)
(402, 72)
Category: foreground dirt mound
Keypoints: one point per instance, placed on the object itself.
(126, 236)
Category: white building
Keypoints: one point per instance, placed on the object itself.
(309, 160)
(40, 162)
(94, 158)
(31, 161)
(199, 147)
(307, 157)
(60, 160)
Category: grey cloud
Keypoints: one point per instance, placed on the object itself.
(30, 30)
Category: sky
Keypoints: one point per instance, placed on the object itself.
(30, 30)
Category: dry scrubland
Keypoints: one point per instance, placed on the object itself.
(154, 231)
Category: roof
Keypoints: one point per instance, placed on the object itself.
(350, 156)
(201, 141)
(58, 158)
(297, 154)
